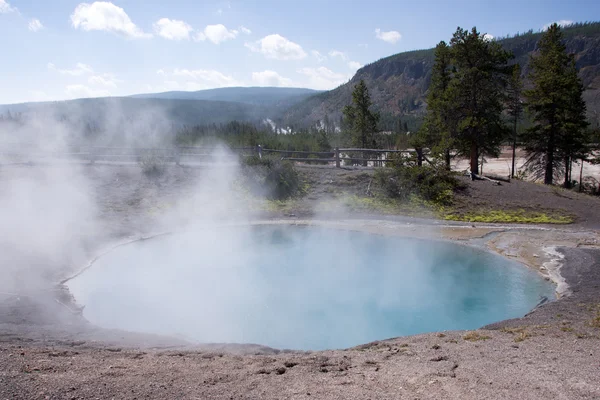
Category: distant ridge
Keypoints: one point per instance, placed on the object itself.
(169, 109)
(271, 96)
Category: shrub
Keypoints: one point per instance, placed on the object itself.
(152, 165)
(276, 179)
(433, 184)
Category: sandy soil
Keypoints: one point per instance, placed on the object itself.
(501, 166)
(48, 351)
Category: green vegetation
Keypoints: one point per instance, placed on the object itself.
(514, 108)
(595, 321)
(466, 97)
(440, 125)
(508, 216)
(271, 177)
(152, 165)
(556, 105)
(360, 121)
(435, 185)
(520, 333)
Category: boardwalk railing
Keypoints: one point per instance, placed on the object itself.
(341, 155)
(183, 154)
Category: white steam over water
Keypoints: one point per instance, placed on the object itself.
(303, 289)
(300, 288)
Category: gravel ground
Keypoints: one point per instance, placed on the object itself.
(48, 351)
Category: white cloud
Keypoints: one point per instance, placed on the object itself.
(161, 72)
(390, 37)
(320, 57)
(79, 91)
(561, 23)
(354, 65)
(106, 80)
(35, 25)
(270, 78)
(172, 29)
(245, 30)
(216, 34)
(488, 37)
(323, 78)
(337, 53)
(277, 47)
(80, 69)
(105, 16)
(5, 7)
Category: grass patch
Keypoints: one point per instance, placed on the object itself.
(412, 206)
(595, 322)
(386, 206)
(475, 337)
(520, 333)
(512, 216)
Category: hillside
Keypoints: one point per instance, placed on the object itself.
(164, 111)
(280, 97)
(398, 83)
(116, 120)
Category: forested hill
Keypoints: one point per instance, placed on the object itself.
(277, 97)
(398, 83)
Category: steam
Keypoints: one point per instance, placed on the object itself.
(57, 211)
(209, 281)
(48, 212)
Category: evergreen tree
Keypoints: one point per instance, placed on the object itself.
(360, 120)
(476, 92)
(440, 122)
(557, 108)
(514, 107)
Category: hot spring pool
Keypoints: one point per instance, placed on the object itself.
(301, 287)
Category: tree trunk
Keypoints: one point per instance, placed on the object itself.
(567, 183)
(581, 176)
(419, 156)
(514, 149)
(447, 158)
(548, 175)
(364, 146)
(474, 157)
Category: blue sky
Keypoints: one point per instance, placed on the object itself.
(61, 49)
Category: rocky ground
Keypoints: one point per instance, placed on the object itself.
(49, 351)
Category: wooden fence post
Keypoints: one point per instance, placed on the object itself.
(337, 157)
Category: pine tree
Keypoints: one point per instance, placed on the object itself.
(476, 91)
(360, 120)
(440, 125)
(556, 105)
(514, 107)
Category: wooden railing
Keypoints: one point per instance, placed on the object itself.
(339, 155)
(179, 155)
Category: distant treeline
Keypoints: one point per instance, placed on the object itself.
(321, 138)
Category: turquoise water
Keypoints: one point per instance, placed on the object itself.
(301, 288)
